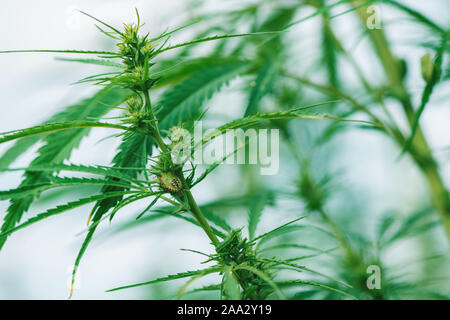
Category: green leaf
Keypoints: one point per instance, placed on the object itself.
(185, 101)
(292, 228)
(329, 50)
(427, 91)
(303, 268)
(415, 14)
(194, 222)
(278, 19)
(133, 153)
(306, 294)
(98, 105)
(282, 115)
(264, 235)
(52, 127)
(270, 52)
(291, 246)
(384, 226)
(59, 145)
(312, 255)
(262, 85)
(217, 37)
(263, 276)
(181, 275)
(57, 183)
(127, 201)
(19, 148)
(290, 283)
(148, 207)
(62, 208)
(182, 290)
(257, 205)
(412, 225)
(100, 62)
(216, 164)
(173, 71)
(98, 170)
(63, 51)
(212, 287)
(216, 219)
(322, 10)
(231, 288)
(105, 24)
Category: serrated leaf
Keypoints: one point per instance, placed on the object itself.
(100, 62)
(62, 208)
(148, 207)
(291, 246)
(261, 85)
(231, 288)
(303, 268)
(264, 235)
(180, 275)
(127, 201)
(186, 100)
(289, 283)
(52, 127)
(212, 287)
(216, 219)
(217, 37)
(256, 119)
(63, 51)
(263, 277)
(257, 205)
(98, 170)
(15, 151)
(107, 99)
(291, 228)
(57, 183)
(133, 153)
(384, 226)
(175, 70)
(270, 52)
(414, 224)
(59, 145)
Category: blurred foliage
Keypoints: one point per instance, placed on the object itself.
(283, 79)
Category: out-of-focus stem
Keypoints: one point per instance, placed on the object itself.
(420, 151)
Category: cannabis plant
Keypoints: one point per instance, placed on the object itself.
(161, 90)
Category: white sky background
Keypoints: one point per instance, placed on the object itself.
(36, 263)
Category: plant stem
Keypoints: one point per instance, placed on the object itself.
(156, 134)
(421, 154)
(193, 206)
(200, 217)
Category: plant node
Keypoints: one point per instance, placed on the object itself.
(236, 250)
(170, 182)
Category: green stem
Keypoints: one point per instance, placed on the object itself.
(193, 206)
(156, 134)
(420, 150)
(197, 213)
